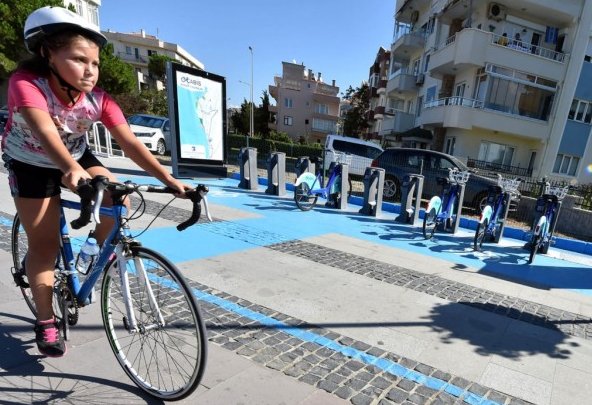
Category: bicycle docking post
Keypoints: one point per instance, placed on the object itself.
(303, 164)
(373, 188)
(411, 191)
(461, 198)
(247, 159)
(502, 220)
(339, 199)
(276, 174)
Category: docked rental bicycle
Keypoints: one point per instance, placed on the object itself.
(490, 226)
(442, 210)
(149, 312)
(309, 187)
(548, 206)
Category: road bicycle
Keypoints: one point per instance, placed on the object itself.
(491, 221)
(310, 187)
(548, 205)
(149, 312)
(442, 210)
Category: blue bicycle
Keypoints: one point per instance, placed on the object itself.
(441, 210)
(309, 187)
(548, 205)
(491, 220)
(150, 315)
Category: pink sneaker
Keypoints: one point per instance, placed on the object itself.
(48, 338)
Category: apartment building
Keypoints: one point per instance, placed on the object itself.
(89, 9)
(136, 48)
(501, 85)
(306, 107)
(377, 81)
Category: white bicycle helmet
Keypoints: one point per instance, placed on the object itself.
(50, 20)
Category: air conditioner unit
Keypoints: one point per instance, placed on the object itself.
(420, 79)
(496, 12)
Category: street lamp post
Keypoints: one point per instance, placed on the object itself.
(252, 123)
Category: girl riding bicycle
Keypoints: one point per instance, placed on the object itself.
(52, 101)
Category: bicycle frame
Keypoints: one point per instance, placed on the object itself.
(447, 200)
(111, 245)
(314, 181)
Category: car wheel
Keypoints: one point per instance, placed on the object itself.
(160, 147)
(391, 188)
(480, 201)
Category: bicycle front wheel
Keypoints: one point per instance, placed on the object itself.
(302, 197)
(534, 247)
(165, 359)
(429, 224)
(480, 235)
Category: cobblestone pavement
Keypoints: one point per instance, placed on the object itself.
(348, 368)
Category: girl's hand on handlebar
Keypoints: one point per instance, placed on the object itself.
(179, 186)
(74, 177)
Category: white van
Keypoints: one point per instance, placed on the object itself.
(362, 152)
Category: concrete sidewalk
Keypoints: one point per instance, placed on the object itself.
(348, 308)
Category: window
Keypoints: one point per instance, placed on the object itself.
(426, 63)
(93, 13)
(79, 8)
(450, 143)
(323, 125)
(415, 68)
(288, 103)
(496, 153)
(128, 50)
(580, 111)
(419, 106)
(431, 94)
(565, 164)
(288, 120)
(151, 52)
(322, 109)
(459, 91)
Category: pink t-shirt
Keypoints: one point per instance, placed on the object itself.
(29, 90)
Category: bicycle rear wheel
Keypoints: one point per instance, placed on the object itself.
(165, 360)
(429, 224)
(302, 197)
(20, 246)
(480, 235)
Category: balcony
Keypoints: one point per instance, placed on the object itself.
(471, 48)
(379, 112)
(406, 45)
(402, 83)
(273, 108)
(128, 57)
(464, 113)
(398, 122)
(381, 89)
(273, 91)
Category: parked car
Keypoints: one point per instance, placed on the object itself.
(398, 162)
(153, 131)
(363, 152)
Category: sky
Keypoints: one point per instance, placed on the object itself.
(339, 38)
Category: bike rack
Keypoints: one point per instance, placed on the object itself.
(373, 188)
(247, 160)
(506, 186)
(547, 189)
(411, 191)
(276, 174)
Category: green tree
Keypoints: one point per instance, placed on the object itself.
(355, 122)
(157, 65)
(116, 76)
(13, 14)
(262, 116)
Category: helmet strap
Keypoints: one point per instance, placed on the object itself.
(65, 85)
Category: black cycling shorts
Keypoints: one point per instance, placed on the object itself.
(29, 181)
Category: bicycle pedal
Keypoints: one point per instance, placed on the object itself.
(18, 276)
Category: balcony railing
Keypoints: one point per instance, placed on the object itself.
(528, 48)
(461, 101)
(498, 167)
(513, 44)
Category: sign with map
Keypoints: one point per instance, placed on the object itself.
(197, 111)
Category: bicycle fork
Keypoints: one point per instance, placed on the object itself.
(144, 286)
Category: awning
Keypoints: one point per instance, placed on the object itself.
(416, 132)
